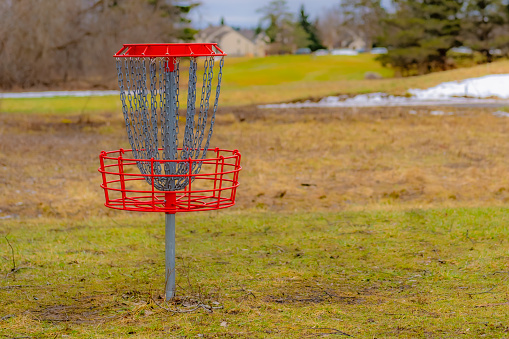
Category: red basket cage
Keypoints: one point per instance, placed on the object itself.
(214, 187)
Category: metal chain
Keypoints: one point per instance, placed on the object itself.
(202, 105)
(131, 88)
(216, 101)
(203, 115)
(153, 107)
(191, 108)
(123, 98)
(145, 118)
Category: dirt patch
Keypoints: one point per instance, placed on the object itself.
(84, 310)
(293, 159)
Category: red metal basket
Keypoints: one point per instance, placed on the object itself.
(169, 50)
(214, 187)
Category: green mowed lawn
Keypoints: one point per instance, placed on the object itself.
(248, 81)
(371, 274)
(274, 70)
(239, 77)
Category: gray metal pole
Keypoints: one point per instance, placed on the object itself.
(170, 255)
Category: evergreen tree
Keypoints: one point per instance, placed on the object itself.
(277, 18)
(362, 19)
(313, 42)
(182, 11)
(284, 33)
(482, 24)
(420, 33)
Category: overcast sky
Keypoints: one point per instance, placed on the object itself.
(242, 13)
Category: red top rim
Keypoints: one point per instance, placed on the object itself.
(169, 50)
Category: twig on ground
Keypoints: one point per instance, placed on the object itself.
(494, 304)
(13, 286)
(17, 270)
(483, 292)
(333, 331)
(473, 241)
(194, 301)
(116, 222)
(334, 295)
(12, 254)
(195, 307)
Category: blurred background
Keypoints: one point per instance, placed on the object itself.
(68, 44)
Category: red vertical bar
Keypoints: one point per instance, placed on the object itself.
(215, 173)
(170, 64)
(152, 181)
(105, 183)
(170, 203)
(190, 179)
(220, 181)
(122, 179)
(236, 175)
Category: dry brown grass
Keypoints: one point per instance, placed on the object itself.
(412, 272)
(307, 159)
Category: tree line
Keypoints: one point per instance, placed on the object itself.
(421, 35)
(52, 43)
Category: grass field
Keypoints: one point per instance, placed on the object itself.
(370, 223)
(365, 223)
(409, 274)
(248, 81)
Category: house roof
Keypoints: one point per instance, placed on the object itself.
(248, 33)
(215, 32)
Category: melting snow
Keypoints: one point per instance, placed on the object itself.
(501, 114)
(490, 89)
(483, 87)
(51, 94)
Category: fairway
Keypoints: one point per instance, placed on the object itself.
(279, 69)
(274, 79)
(375, 222)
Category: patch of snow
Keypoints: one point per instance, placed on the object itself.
(51, 94)
(380, 99)
(501, 114)
(440, 113)
(480, 91)
(483, 87)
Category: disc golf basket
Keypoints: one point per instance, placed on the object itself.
(169, 169)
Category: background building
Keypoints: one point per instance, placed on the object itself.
(235, 43)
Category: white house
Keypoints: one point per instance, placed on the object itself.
(235, 43)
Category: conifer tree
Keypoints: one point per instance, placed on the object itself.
(313, 42)
(482, 26)
(420, 33)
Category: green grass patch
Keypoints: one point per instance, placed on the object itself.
(275, 70)
(62, 105)
(248, 81)
(384, 274)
